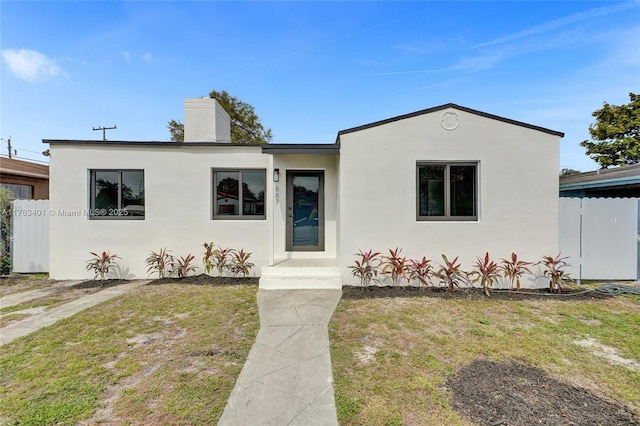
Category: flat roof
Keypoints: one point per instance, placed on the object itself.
(271, 148)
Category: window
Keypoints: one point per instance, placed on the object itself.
(20, 192)
(229, 202)
(117, 194)
(447, 191)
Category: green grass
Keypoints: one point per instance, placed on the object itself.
(32, 304)
(391, 357)
(166, 354)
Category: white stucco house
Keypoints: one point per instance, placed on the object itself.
(447, 180)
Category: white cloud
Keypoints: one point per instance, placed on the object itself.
(31, 65)
(126, 56)
(147, 57)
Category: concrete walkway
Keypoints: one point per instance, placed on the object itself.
(50, 316)
(287, 377)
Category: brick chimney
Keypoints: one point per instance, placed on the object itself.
(206, 121)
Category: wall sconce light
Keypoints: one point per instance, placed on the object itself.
(276, 175)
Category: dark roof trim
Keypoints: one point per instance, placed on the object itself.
(289, 148)
(146, 143)
(442, 107)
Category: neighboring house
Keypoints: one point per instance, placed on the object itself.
(623, 181)
(443, 180)
(26, 180)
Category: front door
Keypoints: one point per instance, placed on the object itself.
(305, 210)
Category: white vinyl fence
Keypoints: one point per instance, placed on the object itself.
(601, 237)
(30, 236)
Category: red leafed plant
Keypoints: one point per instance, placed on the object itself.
(395, 266)
(451, 273)
(223, 259)
(367, 268)
(513, 269)
(240, 264)
(161, 262)
(553, 269)
(486, 271)
(421, 271)
(185, 266)
(100, 264)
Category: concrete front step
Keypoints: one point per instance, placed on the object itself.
(301, 274)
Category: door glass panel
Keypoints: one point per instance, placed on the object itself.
(305, 210)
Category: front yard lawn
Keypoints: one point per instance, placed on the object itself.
(162, 354)
(462, 361)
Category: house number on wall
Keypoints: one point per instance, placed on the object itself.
(277, 193)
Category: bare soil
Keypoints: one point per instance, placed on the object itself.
(204, 279)
(507, 393)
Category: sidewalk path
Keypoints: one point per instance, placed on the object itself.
(50, 316)
(26, 296)
(287, 377)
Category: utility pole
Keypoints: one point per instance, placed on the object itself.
(9, 146)
(104, 131)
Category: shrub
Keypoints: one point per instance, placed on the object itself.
(513, 269)
(184, 266)
(100, 264)
(366, 268)
(486, 271)
(553, 269)
(395, 266)
(162, 262)
(208, 257)
(222, 259)
(421, 271)
(451, 273)
(240, 264)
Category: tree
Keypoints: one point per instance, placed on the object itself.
(245, 123)
(616, 134)
(567, 172)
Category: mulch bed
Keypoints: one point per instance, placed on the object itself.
(508, 393)
(99, 284)
(375, 292)
(204, 279)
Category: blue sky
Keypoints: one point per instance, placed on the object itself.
(310, 69)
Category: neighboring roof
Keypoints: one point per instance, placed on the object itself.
(623, 175)
(11, 166)
(442, 107)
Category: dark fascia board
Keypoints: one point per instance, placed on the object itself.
(266, 148)
(308, 148)
(442, 107)
(146, 143)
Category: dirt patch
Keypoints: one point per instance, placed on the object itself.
(204, 279)
(508, 393)
(375, 292)
(99, 284)
(608, 353)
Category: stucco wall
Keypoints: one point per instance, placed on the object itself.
(178, 198)
(518, 189)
